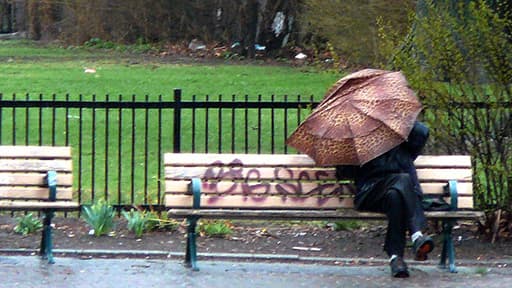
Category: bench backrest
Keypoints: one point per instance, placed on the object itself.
(288, 181)
(23, 172)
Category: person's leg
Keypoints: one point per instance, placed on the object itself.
(393, 207)
(422, 245)
(389, 202)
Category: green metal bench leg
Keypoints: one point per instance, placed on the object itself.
(191, 253)
(448, 247)
(46, 239)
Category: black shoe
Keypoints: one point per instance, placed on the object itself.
(421, 247)
(399, 268)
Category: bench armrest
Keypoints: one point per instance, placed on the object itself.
(451, 190)
(51, 180)
(195, 188)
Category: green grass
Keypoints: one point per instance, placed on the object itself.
(28, 70)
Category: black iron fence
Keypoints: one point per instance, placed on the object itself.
(118, 141)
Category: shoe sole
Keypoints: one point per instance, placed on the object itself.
(401, 274)
(422, 253)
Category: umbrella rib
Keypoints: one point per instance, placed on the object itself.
(354, 144)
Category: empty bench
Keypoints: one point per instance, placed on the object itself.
(256, 186)
(37, 178)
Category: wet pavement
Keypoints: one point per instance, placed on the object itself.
(31, 271)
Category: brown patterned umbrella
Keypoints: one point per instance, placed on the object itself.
(363, 115)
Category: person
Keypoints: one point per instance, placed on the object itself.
(389, 184)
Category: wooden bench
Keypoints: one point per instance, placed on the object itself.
(37, 178)
(256, 186)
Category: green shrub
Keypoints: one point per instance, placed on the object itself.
(458, 58)
(100, 216)
(215, 228)
(27, 224)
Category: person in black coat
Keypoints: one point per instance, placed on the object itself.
(389, 184)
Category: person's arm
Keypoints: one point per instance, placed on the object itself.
(417, 139)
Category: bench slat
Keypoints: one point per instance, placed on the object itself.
(308, 214)
(30, 179)
(181, 187)
(34, 165)
(277, 202)
(239, 201)
(214, 159)
(450, 161)
(294, 173)
(444, 175)
(300, 160)
(41, 193)
(54, 152)
(38, 205)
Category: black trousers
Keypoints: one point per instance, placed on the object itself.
(396, 197)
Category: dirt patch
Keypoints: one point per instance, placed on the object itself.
(316, 239)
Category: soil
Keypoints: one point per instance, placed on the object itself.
(313, 239)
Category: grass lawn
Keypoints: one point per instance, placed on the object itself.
(30, 70)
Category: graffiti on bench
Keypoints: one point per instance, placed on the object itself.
(289, 190)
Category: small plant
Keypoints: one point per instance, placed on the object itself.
(481, 271)
(163, 223)
(139, 221)
(27, 224)
(215, 228)
(100, 216)
(346, 225)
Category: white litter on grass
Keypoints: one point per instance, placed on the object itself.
(89, 70)
(301, 56)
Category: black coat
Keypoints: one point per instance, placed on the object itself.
(398, 160)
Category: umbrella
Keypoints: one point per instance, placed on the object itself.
(362, 116)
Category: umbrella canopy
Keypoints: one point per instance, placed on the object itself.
(362, 116)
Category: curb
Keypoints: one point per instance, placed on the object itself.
(502, 263)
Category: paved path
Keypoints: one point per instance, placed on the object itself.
(31, 271)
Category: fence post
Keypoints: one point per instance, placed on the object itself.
(177, 121)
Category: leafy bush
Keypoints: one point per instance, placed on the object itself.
(458, 60)
(27, 224)
(215, 228)
(100, 216)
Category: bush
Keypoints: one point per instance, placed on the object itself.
(458, 58)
